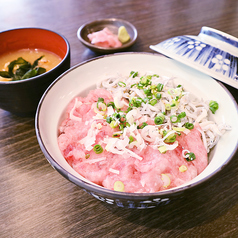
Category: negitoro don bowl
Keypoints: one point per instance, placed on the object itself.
(83, 77)
(21, 97)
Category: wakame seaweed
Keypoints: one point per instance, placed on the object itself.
(24, 69)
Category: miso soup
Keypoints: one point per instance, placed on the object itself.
(49, 61)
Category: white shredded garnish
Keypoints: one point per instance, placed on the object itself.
(90, 138)
(115, 171)
(76, 105)
(92, 161)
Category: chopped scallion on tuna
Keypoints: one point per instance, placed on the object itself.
(190, 156)
(98, 149)
(144, 124)
(162, 149)
(183, 168)
(119, 186)
(113, 124)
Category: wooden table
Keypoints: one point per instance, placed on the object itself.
(36, 201)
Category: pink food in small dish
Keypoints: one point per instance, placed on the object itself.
(104, 38)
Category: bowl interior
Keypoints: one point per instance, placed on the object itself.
(84, 77)
(22, 38)
(113, 25)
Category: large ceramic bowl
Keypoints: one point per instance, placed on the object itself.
(84, 76)
(21, 97)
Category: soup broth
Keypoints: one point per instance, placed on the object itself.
(49, 61)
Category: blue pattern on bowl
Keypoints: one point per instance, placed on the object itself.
(220, 63)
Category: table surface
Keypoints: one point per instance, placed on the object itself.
(36, 201)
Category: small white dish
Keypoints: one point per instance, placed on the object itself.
(212, 52)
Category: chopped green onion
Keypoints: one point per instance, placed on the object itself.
(171, 91)
(98, 149)
(178, 129)
(190, 156)
(144, 124)
(133, 85)
(183, 168)
(100, 99)
(140, 86)
(153, 87)
(116, 135)
(189, 126)
(147, 91)
(153, 102)
(159, 119)
(174, 119)
(158, 96)
(145, 80)
(133, 74)
(213, 106)
(121, 126)
(162, 149)
(182, 115)
(111, 104)
(160, 87)
(121, 84)
(87, 156)
(113, 124)
(108, 119)
(174, 103)
(119, 186)
(135, 102)
(101, 106)
(131, 139)
(167, 107)
(129, 109)
(116, 115)
(171, 138)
